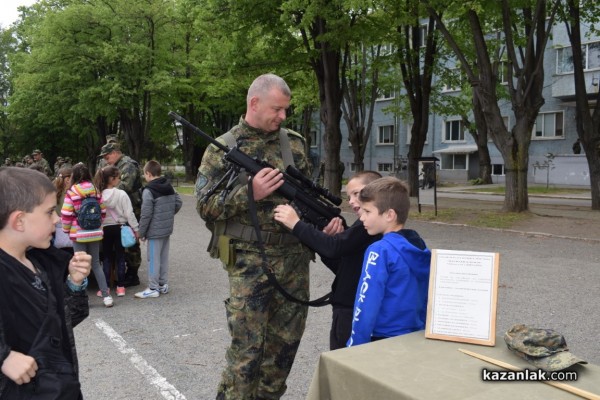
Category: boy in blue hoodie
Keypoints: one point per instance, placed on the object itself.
(160, 203)
(391, 299)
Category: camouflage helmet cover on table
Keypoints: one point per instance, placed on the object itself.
(544, 348)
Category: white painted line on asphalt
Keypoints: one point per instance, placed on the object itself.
(167, 390)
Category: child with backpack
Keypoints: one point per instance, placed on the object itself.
(82, 214)
(119, 211)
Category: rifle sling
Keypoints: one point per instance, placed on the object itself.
(320, 302)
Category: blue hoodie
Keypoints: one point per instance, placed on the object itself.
(391, 297)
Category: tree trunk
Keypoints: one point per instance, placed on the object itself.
(133, 133)
(327, 70)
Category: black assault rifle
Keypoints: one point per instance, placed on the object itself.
(314, 204)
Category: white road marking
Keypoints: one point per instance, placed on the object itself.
(167, 390)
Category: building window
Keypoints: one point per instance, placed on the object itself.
(314, 139)
(548, 126)
(385, 167)
(498, 169)
(385, 94)
(564, 60)
(454, 131)
(386, 49)
(503, 73)
(454, 161)
(593, 55)
(453, 81)
(386, 134)
(591, 58)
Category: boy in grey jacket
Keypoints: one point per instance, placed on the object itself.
(160, 203)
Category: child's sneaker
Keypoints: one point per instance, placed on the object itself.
(147, 293)
(108, 301)
(120, 291)
(99, 293)
(164, 289)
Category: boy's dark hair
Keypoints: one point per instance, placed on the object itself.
(388, 193)
(103, 175)
(366, 176)
(80, 174)
(153, 167)
(21, 189)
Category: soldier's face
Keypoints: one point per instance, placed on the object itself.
(37, 156)
(111, 158)
(270, 110)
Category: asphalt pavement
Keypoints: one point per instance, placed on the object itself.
(173, 347)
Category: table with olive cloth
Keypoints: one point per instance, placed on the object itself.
(413, 367)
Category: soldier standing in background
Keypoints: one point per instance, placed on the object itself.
(7, 162)
(131, 183)
(58, 164)
(42, 163)
(68, 163)
(265, 327)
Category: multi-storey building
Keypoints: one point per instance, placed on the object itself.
(552, 156)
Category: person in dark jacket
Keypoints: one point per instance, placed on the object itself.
(42, 293)
(160, 203)
(342, 251)
(391, 299)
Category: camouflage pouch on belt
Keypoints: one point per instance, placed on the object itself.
(226, 250)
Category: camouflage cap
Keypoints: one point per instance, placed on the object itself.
(36, 151)
(112, 139)
(109, 148)
(544, 348)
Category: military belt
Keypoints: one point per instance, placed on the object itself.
(247, 233)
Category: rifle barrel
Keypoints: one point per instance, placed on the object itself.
(185, 122)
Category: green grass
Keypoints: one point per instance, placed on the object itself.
(185, 189)
(481, 218)
(531, 190)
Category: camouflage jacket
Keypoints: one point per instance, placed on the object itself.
(131, 179)
(45, 165)
(256, 144)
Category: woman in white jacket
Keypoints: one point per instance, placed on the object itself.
(118, 212)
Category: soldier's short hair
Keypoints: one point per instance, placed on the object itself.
(266, 82)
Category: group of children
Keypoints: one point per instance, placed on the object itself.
(43, 288)
(385, 295)
(159, 206)
(382, 269)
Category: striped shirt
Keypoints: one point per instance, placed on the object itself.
(72, 203)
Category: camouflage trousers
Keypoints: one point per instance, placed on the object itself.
(133, 259)
(265, 328)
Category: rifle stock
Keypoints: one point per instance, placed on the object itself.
(306, 199)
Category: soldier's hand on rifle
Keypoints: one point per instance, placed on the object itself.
(286, 215)
(335, 226)
(265, 182)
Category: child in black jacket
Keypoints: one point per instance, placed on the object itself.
(341, 250)
(42, 293)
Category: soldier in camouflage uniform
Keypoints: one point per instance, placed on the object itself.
(42, 163)
(131, 182)
(265, 328)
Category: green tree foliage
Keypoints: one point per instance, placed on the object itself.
(523, 28)
(588, 123)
